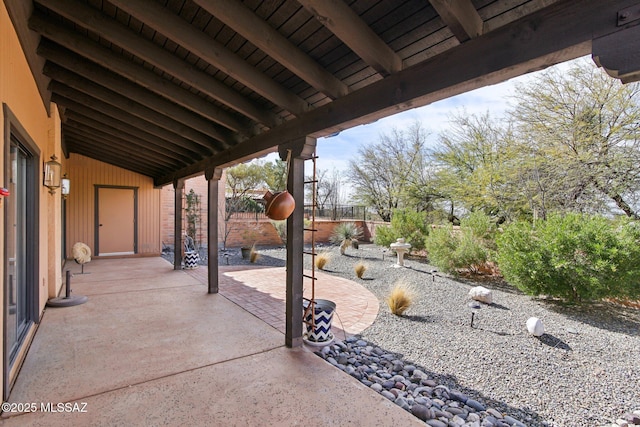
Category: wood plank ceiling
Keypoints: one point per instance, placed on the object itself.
(168, 88)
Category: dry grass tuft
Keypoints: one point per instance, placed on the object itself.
(322, 259)
(400, 298)
(360, 268)
(254, 256)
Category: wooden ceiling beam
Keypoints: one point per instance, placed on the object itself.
(96, 152)
(89, 75)
(60, 41)
(117, 128)
(342, 21)
(118, 132)
(208, 49)
(107, 134)
(98, 59)
(619, 54)
(87, 17)
(89, 93)
(557, 33)
(246, 23)
(71, 99)
(460, 16)
(116, 146)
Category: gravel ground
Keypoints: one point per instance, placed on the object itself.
(585, 370)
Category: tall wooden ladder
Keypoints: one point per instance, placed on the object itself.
(310, 309)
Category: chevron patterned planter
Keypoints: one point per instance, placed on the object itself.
(191, 260)
(323, 313)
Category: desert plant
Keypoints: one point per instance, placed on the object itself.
(480, 225)
(281, 229)
(575, 257)
(468, 248)
(322, 259)
(344, 234)
(254, 255)
(400, 298)
(360, 268)
(250, 235)
(441, 245)
(412, 226)
(192, 214)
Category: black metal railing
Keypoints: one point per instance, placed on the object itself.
(338, 212)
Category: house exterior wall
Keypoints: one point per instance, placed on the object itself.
(85, 174)
(21, 101)
(247, 232)
(325, 230)
(201, 188)
(242, 232)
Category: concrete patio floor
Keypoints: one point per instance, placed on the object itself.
(151, 347)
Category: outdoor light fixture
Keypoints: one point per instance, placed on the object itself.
(51, 174)
(475, 307)
(65, 186)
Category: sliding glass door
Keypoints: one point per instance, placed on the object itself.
(20, 219)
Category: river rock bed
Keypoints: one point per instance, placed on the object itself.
(410, 387)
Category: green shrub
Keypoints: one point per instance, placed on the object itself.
(480, 225)
(453, 250)
(440, 245)
(468, 248)
(575, 257)
(412, 226)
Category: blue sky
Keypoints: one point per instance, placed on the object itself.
(336, 152)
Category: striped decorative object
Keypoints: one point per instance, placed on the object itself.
(323, 313)
(191, 260)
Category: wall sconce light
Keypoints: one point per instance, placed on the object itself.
(51, 178)
(65, 186)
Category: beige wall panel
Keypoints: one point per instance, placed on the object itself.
(85, 174)
(19, 93)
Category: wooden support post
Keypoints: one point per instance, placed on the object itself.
(213, 176)
(301, 150)
(178, 186)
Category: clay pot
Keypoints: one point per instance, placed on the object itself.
(279, 205)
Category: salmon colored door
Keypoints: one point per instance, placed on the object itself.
(116, 221)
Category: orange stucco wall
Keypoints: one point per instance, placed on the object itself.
(20, 96)
(84, 174)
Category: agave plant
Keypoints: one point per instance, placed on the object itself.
(345, 234)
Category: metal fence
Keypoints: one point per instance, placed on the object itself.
(333, 213)
(338, 212)
(248, 215)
